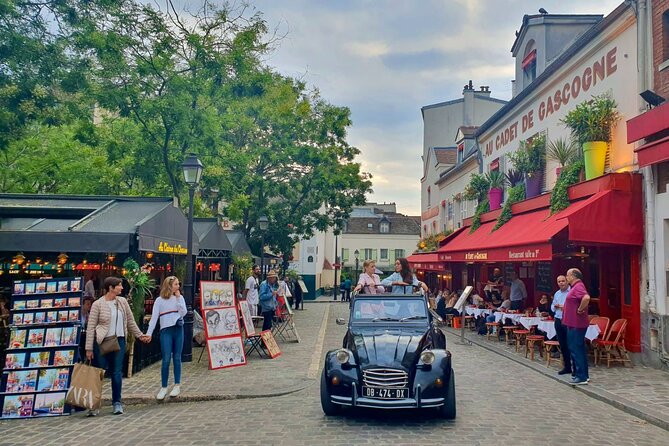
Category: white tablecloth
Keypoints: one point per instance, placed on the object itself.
(549, 327)
(528, 322)
(476, 311)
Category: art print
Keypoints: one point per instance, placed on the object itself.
(69, 336)
(221, 322)
(63, 286)
(17, 338)
(32, 303)
(51, 316)
(73, 315)
(52, 337)
(47, 303)
(28, 318)
(15, 360)
(51, 287)
(63, 357)
(53, 379)
(21, 381)
(40, 287)
(19, 288)
(39, 359)
(17, 406)
(74, 302)
(75, 284)
(246, 317)
(217, 294)
(48, 404)
(40, 317)
(17, 319)
(19, 305)
(35, 337)
(270, 343)
(60, 302)
(226, 352)
(62, 316)
(30, 288)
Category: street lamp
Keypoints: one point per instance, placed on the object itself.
(192, 168)
(263, 224)
(356, 253)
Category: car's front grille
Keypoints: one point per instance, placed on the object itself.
(385, 378)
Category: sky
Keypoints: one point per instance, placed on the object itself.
(385, 59)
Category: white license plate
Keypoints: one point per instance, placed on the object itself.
(385, 393)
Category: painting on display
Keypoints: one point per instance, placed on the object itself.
(217, 294)
(246, 317)
(270, 343)
(226, 352)
(221, 322)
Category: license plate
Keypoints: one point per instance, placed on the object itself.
(385, 393)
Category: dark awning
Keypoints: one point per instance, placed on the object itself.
(213, 239)
(238, 242)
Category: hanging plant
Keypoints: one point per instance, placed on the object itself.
(457, 197)
(482, 208)
(560, 193)
(141, 285)
(516, 194)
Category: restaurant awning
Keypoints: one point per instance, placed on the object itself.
(213, 239)
(599, 219)
(651, 126)
(238, 242)
(426, 261)
(653, 152)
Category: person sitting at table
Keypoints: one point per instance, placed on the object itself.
(545, 306)
(493, 286)
(504, 307)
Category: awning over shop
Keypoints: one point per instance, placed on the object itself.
(653, 153)
(607, 217)
(426, 261)
(651, 126)
(213, 239)
(238, 242)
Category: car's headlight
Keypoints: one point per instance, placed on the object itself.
(427, 357)
(342, 356)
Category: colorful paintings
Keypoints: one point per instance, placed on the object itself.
(63, 286)
(226, 352)
(15, 360)
(21, 381)
(47, 404)
(75, 285)
(29, 288)
(53, 379)
(35, 337)
(19, 305)
(270, 343)
(246, 317)
(74, 302)
(52, 337)
(19, 288)
(32, 303)
(63, 357)
(73, 315)
(17, 338)
(46, 303)
(217, 294)
(69, 336)
(60, 302)
(39, 359)
(17, 406)
(51, 287)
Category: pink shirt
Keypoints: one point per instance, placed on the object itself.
(570, 316)
(370, 285)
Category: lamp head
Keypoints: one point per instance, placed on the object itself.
(263, 222)
(192, 168)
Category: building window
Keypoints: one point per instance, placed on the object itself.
(370, 226)
(384, 227)
(399, 253)
(344, 255)
(429, 197)
(461, 152)
(529, 64)
(370, 254)
(450, 211)
(463, 209)
(384, 254)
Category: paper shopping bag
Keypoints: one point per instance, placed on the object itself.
(86, 387)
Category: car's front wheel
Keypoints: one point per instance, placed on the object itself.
(448, 410)
(329, 408)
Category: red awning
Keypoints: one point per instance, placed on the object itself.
(608, 217)
(654, 152)
(426, 261)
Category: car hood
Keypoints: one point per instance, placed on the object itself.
(385, 347)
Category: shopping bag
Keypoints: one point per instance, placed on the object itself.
(85, 387)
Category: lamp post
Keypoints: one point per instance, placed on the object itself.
(356, 253)
(263, 224)
(336, 288)
(192, 168)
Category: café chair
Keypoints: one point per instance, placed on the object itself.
(508, 333)
(520, 335)
(613, 346)
(548, 347)
(470, 322)
(531, 341)
(603, 325)
(490, 327)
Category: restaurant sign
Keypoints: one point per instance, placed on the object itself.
(166, 248)
(510, 254)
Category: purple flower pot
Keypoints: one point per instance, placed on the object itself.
(533, 184)
(495, 198)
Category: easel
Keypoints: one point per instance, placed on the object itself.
(460, 306)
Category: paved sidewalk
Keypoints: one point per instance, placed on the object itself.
(640, 391)
(261, 377)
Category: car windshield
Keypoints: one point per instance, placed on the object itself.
(389, 309)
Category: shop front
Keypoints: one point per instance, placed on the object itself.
(430, 270)
(601, 233)
(215, 254)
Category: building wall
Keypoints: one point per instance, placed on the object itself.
(351, 242)
(454, 185)
(660, 48)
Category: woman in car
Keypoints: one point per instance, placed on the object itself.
(368, 282)
(403, 280)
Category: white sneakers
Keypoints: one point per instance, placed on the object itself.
(176, 390)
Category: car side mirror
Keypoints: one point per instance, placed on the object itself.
(341, 321)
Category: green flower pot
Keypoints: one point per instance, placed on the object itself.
(595, 158)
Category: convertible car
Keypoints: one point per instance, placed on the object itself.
(392, 357)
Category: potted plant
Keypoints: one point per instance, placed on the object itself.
(477, 189)
(514, 177)
(141, 285)
(530, 159)
(496, 182)
(563, 151)
(591, 123)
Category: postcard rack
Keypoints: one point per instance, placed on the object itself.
(43, 346)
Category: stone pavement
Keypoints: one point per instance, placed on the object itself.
(503, 404)
(259, 378)
(638, 390)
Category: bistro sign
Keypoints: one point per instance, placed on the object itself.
(172, 249)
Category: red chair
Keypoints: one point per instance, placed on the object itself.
(603, 324)
(613, 346)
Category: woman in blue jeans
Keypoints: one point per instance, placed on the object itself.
(170, 309)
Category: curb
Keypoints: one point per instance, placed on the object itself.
(147, 400)
(605, 396)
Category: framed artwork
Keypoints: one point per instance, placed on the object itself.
(270, 343)
(18, 288)
(226, 352)
(35, 337)
(51, 287)
(17, 338)
(39, 359)
(220, 322)
(217, 294)
(63, 357)
(15, 360)
(17, 406)
(246, 317)
(52, 337)
(75, 284)
(47, 404)
(21, 381)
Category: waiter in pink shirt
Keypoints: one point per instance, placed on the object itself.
(575, 318)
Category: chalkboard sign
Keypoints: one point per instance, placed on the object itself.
(509, 269)
(544, 277)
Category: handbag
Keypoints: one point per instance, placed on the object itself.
(85, 387)
(110, 343)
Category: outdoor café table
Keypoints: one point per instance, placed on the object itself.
(528, 322)
(514, 317)
(472, 311)
(548, 327)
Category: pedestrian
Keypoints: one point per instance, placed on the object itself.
(403, 280)
(297, 292)
(269, 289)
(170, 309)
(85, 313)
(347, 289)
(575, 318)
(111, 316)
(560, 330)
(369, 282)
(518, 292)
(251, 290)
(89, 287)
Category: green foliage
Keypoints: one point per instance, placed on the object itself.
(560, 193)
(477, 189)
(431, 242)
(243, 268)
(141, 285)
(514, 177)
(516, 194)
(563, 151)
(495, 179)
(482, 208)
(592, 120)
(531, 155)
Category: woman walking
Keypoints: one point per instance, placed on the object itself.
(170, 309)
(108, 323)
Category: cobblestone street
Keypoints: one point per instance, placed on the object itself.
(499, 402)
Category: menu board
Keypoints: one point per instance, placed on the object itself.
(544, 277)
(43, 346)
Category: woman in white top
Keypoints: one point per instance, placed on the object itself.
(369, 282)
(170, 309)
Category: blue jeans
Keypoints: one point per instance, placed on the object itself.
(171, 346)
(112, 363)
(579, 355)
